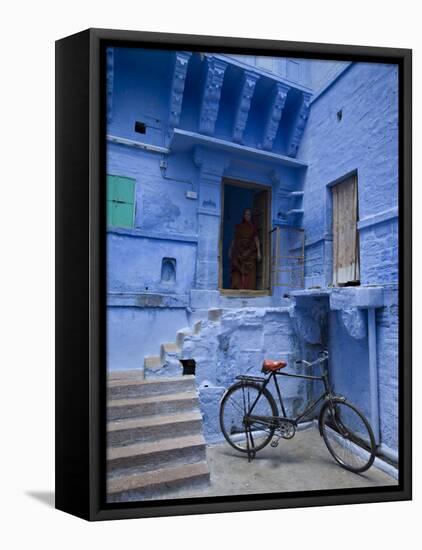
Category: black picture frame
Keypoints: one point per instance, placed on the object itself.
(80, 274)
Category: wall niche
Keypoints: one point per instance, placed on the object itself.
(168, 271)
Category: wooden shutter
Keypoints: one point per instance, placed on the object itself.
(120, 201)
(345, 234)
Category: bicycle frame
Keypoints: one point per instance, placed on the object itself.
(327, 394)
(254, 423)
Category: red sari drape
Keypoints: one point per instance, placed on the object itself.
(244, 257)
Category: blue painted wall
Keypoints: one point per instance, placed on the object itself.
(207, 118)
(364, 141)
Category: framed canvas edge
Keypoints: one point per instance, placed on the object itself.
(98, 509)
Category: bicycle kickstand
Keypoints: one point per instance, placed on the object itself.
(251, 452)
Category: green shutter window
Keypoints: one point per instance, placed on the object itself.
(120, 201)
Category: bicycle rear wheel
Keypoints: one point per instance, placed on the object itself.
(348, 435)
(234, 409)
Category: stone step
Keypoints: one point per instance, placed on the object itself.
(197, 327)
(157, 482)
(136, 430)
(169, 349)
(156, 404)
(152, 362)
(181, 335)
(172, 368)
(123, 389)
(143, 457)
(133, 374)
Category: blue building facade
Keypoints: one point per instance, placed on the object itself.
(192, 140)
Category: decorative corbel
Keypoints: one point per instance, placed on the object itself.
(212, 93)
(274, 115)
(177, 87)
(246, 94)
(300, 125)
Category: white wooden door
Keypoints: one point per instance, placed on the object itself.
(345, 234)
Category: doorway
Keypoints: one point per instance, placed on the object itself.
(346, 262)
(238, 196)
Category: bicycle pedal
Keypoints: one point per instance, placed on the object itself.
(274, 443)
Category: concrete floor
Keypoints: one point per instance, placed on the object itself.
(299, 464)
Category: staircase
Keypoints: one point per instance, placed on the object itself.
(167, 363)
(154, 437)
(229, 341)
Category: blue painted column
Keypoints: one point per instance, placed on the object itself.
(211, 169)
(373, 373)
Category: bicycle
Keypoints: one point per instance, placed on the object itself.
(249, 417)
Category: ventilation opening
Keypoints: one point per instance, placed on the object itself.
(140, 127)
(168, 270)
(189, 366)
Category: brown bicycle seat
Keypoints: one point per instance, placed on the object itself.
(270, 366)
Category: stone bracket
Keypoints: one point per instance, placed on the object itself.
(300, 125)
(275, 112)
(216, 69)
(178, 86)
(248, 88)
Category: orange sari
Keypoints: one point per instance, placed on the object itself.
(244, 256)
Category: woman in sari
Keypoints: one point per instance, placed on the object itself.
(244, 252)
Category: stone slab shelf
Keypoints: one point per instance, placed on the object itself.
(361, 297)
(183, 141)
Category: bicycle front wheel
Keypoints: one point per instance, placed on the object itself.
(348, 435)
(242, 399)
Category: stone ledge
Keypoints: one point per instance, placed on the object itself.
(144, 300)
(346, 297)
(141, 233)
(380, 217)
(356, 297)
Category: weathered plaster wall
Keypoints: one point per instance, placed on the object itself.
(364, 140)
(387, 346)
(161, 202)
(138, 98)
(146, 310)
(349, 356)
(135, 264)
(133, 332)
(236, 342)
(379, 249)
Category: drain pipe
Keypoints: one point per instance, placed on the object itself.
(373, 374)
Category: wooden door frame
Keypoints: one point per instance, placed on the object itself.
(267, 253)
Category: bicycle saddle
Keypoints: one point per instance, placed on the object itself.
(270, 366)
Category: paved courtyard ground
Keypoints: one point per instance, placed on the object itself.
(299, 464)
